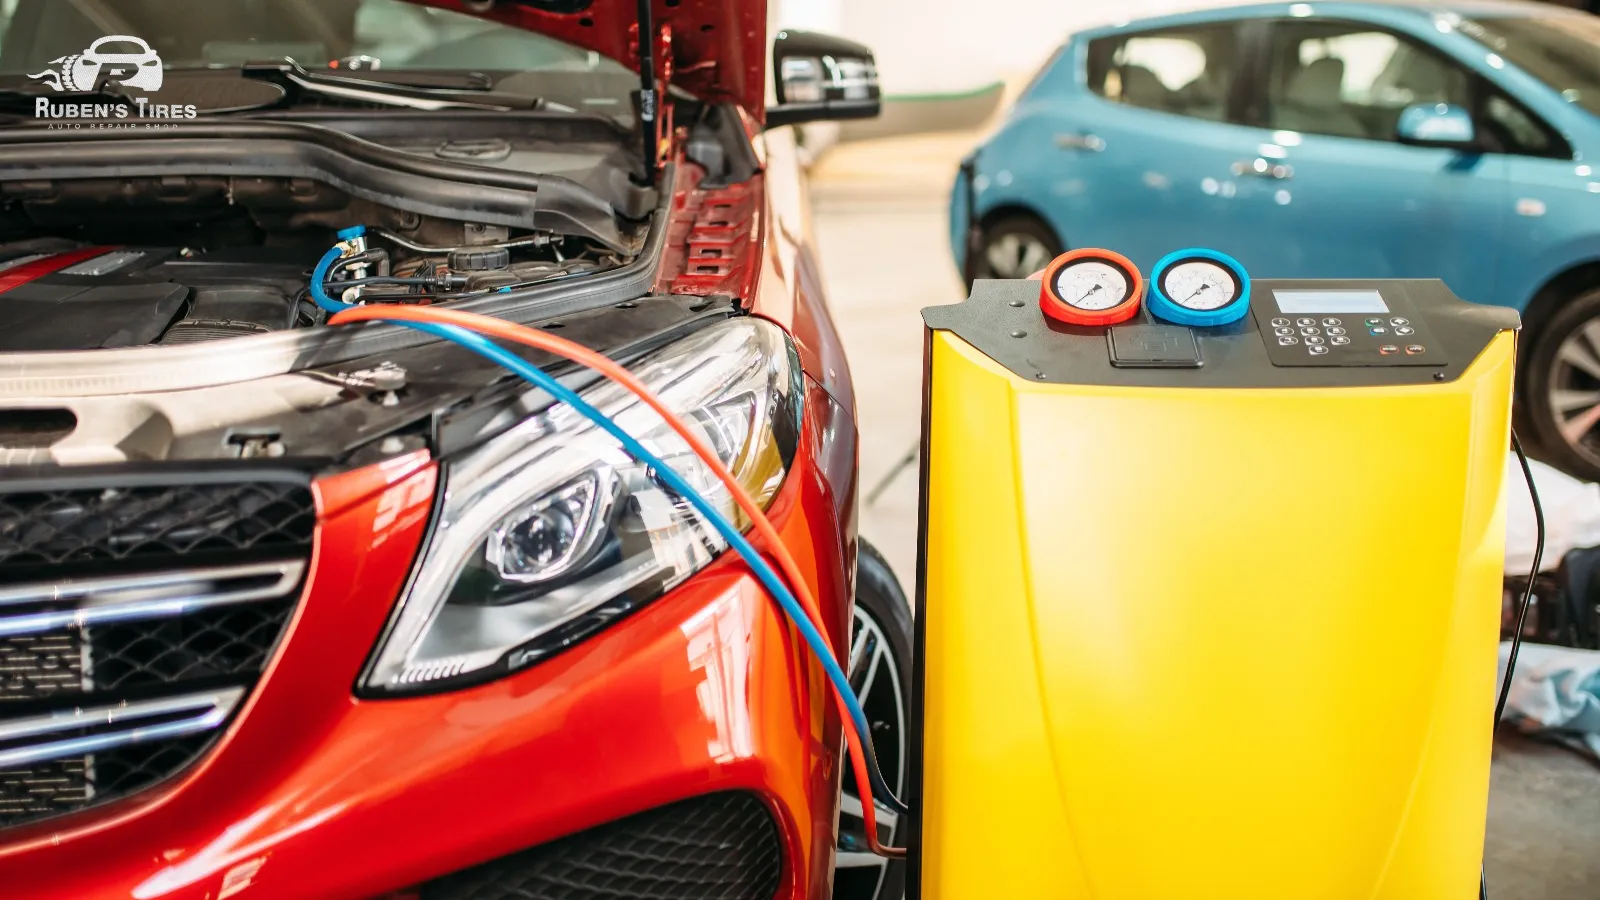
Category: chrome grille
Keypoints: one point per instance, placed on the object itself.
(135, 617)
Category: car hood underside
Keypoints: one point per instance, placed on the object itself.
(714, 49)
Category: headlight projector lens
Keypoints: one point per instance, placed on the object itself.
(1091, 287)
(1199, 287)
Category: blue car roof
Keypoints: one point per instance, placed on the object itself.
(1485, 8)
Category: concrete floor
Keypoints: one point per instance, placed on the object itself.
(881, 224)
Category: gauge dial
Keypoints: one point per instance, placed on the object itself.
(1200, 288)
(1200, 284)
(1091, 287)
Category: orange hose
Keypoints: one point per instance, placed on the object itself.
(584, 356)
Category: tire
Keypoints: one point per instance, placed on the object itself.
(1563, 387)
(881, 636)
(1015, 246)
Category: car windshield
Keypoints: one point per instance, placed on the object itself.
(1562, 51)
(67, 38)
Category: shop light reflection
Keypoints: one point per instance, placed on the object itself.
(719, 638)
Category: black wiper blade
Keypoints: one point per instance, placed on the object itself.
(469, 93)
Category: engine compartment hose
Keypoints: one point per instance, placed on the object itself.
(462, 329)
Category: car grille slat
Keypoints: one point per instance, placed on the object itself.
(36, 665)
(135, 617)
(721, 846)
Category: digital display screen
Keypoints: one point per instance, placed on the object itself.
(1291, 302)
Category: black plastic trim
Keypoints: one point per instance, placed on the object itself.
(284, 149)
(919, 644)
(153, 474)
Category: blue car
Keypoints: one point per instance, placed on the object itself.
(1453, 140)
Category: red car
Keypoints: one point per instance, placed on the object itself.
(300, 610)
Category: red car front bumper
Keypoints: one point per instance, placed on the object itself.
(314, 793)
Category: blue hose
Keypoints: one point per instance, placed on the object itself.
(764, 572)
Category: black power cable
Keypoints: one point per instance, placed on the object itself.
(1527, 592)
(1522, 612)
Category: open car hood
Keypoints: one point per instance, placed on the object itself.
(718, 47)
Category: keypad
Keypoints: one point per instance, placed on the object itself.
(1323, 339)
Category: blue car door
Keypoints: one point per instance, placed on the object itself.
(1334, 194)
(1132, 154)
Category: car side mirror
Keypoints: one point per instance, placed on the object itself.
(821, 78)
(1437, 125)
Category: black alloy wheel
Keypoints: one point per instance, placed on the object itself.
(1563, 386)
(1015, 247)
(880, 671)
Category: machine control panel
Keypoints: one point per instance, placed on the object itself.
(1344, 327)
(1297, 333)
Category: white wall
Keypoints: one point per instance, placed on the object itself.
(940, 46)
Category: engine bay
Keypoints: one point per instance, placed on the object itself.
(106, 243)
(208, 275)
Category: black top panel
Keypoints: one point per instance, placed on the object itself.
(1423, 334)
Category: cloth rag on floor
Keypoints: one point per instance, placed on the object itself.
(1571, 516)
(1556, 694)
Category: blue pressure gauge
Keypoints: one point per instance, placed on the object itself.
(1198, 287)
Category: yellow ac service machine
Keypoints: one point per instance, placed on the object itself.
(1209, 590)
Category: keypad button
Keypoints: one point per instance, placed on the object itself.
(1309, 331)
(1283, 331)
(1304, 321)
(1280, 322)
(1415, 349)
(1332, 322)
(1378, 329)
(1374, 321)
(1388, 349)
(1313, 339)
(1404, 330)
(1335, 330)
(1317, 351)
(1397, 321)
(1338, 341)
(1287, 341)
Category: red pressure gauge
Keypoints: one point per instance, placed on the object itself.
(1091, 287)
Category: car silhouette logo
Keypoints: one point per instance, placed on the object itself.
(140, 70)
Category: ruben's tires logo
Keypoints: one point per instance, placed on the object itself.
(118, 69)
(118, 57)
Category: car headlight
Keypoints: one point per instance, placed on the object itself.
(551, 531)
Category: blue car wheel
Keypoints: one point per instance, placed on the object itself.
(1015, 247)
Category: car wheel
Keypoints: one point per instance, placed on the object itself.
(1563, 395)
(1015, 247)
(880, 672)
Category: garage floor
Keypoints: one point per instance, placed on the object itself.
(881, 224)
